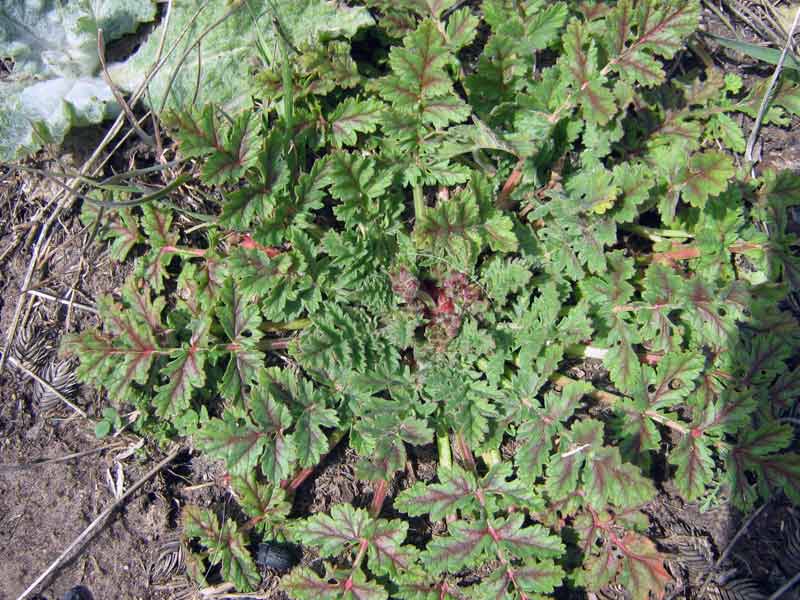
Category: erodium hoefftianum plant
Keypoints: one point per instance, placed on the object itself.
(414, 243)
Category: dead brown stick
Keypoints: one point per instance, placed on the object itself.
(46, 461)
(54, 298)
(97, 522)
(786, 587)
(101, 53)
(723, 557)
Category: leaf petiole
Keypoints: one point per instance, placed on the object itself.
(444, 450)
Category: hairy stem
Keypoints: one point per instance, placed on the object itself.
(294, 325)
(585, 351)
(419, 203)
(655, 234)
(269, 345)
(466, 452)
(378, 497)
(445, 453)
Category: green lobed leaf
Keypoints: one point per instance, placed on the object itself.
(226, 545)
(240, 321)
(695, 467)
(274, 421)
(266, 504)
(455, 491)
(462, 27)
(352, 117)
(239, 445)
(304, 584)
(184, 373)
(419, 84)
(706, 174)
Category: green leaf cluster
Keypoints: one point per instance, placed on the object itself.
(413, 248)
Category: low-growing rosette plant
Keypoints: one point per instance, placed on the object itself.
(414, 249)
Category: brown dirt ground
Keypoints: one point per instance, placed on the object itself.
(44, 507)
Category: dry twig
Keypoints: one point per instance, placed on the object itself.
(96, 523)
(47, 461)
(786, 587)
(724, 556)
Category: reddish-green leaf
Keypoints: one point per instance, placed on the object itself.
(387, 555)
(226, 545)
(542, 28)
(462, 26)
(343, 528)
(349, 527)
(662, 27)
(309, 439)
(625, 557)
(609, 481)
(785, 390)
(263, 196)
(352, 117)
(580, 62)
(266, 504)
(239, 445)
(507, 491)
(240, 320)
(643, 570)
(706, 174)
(663, 293)
(784, 188)
(419, 84)
(634, 34)
(462, 548)
(534, 541)
(230, 149)
(305, 584)
(184, 373)
(455, 491)
(674, 379)
(508, 581)
(622, 361)
(695, 467)
(536, 431)
(274, 421)
(123, 230)
(468, 542)
(124, 353)
(592, 189)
